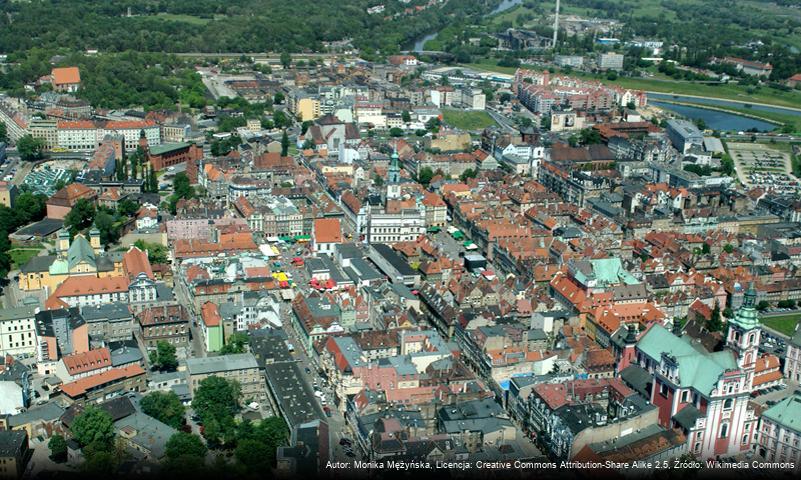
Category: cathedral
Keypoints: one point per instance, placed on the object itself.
(706, 394)
(79, 257)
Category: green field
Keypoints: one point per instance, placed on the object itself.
(190, 19)
(20, 256)
(782, 323)
(467, 119)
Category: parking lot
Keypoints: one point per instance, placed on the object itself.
(759, 164)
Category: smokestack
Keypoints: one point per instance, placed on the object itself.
(555, 25)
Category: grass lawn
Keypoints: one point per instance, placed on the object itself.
(190, 19)
(20, 256)
(782, 323)
(467, 119)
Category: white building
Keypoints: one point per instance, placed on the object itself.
(395, 221)
(610, 61)
(17, 331)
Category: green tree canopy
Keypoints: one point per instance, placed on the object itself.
(425, 176)
(185, 444)
(165, 407)
(156, 252)
(58, 448)
(30, 148)
(93, 426)
(81, 216)
(163, 357)
(235, 344)
(284, 144)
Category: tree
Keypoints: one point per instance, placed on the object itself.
(573, 141)
(406, 116)
(378, 180)
(469, 173)
(182, 186)
(425, 176)
(30, 148)
(278, 98)
(505, 97)
(101, 463)
(216, 397)
(284, 144)
(714, 324)
(108, 227)
(235, 344)
(165, 407)
(286, 59)
(257, 445)
(590, 136)
(94, 426)
(182, 444)
(728, 248)
(81, 216)
(30, 207)
(253, 455)
(163, 358)
(763, 305)
(281, 119)
(152, 180)
(3, 133)
(705, 248)
(58, 448)
(395, 132)
(127, 207)
(156, 253)
(727, 164)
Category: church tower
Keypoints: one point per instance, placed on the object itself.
(745, 333)
(393, 178)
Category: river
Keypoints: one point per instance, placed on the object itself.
(722, 103)
(419, 45)
(714, 119)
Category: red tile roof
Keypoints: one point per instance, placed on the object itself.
(327, 230)
(66, 75)
(81, 386)
(129, 124)
(86, 362)
(85, 285)
(135, 261)
(210, 314)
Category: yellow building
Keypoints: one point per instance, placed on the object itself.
(305, 107)
(76, 258)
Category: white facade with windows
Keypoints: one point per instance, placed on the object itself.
(18, 331)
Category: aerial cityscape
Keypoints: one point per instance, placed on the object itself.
(368, 238)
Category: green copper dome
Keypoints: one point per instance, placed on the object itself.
(747, 317)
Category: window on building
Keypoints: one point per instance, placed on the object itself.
(724, 430)
(727, 404)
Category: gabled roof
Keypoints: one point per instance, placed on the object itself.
(135, 261)
(78, 363)
(81, 386)
(80, 251)
(697, 368)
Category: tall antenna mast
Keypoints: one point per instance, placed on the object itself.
(555, 25)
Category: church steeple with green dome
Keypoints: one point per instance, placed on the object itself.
(747, 317)
(745, 335)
